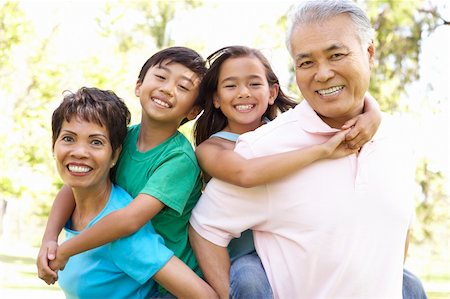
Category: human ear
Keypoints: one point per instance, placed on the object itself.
(137, 89)
(371, 53)
(274, 89)
(216, 102)
(194, 112)
(116, 156)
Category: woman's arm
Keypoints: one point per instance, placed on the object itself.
(365, 125)
(116, 225)
(60, 212)
(229, 166)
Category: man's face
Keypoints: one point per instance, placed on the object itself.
(332, 68)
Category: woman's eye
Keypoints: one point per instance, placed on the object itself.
(96, 142)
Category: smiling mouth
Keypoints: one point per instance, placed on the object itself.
(330, 91)
(79, 169)
(243, 108)
(161, 103)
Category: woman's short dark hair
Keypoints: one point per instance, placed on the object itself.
(102, 107)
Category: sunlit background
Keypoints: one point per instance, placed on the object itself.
(49, 46)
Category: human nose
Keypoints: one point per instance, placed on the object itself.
(79, 150)
(324, 72)
(167, 88)
(244, 92)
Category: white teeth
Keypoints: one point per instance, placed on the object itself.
(244, 107)
(330, 91)
(159, 102)
(76, 168)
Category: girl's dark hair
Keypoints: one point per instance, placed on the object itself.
(212, 119)
(182, 55)
(102, 107)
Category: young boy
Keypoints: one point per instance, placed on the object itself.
(157, 167)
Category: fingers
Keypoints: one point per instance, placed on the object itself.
(51, 251)
(45, 273)
(349, 123)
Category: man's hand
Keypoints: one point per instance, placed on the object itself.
(46, 254)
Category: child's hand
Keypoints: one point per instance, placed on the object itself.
(47, 253)
(336, 146)
(362, 129)
(59, 262)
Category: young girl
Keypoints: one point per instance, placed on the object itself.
(239, 93)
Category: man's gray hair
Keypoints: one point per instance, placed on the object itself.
(317, 11)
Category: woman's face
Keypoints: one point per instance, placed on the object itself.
(83, 154)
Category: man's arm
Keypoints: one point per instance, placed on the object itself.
(214, 262)
(116, 225)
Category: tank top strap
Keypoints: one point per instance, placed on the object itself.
(226, 135)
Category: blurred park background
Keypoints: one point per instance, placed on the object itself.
(47, 47)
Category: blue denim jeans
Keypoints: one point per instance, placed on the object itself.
(248, 279)
(412, 287)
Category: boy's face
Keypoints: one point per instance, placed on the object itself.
(168, 92)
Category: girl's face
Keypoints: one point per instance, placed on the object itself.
(83, 154)
(243, 93)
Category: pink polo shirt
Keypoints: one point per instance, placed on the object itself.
(335, 229)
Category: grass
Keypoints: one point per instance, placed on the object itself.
(18, 277)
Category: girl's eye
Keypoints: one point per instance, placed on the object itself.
(67, 139)
(230, 86)
(160, 77)
(255, 84)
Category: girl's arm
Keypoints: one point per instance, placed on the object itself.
(229, 166)
(114, 226)
(365, 125)
(60, 212)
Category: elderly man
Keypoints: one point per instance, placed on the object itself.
(337, 228)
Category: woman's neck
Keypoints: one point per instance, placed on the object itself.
(89, 202)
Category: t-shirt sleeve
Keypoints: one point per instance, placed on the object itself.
(173, 181)
(224, 210)
(141, 254)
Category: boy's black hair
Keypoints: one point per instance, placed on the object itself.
(213, 120)
(182, 55)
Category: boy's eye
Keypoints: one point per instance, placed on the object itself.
(184, 88)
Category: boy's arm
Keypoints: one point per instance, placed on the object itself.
(116, 225)
(231, 167)
(60, 212)
(365, 125)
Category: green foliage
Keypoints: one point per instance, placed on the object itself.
(399, 28)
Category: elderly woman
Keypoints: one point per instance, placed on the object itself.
(88, 129)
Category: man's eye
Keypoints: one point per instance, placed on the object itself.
(338, 56)
(304, 64)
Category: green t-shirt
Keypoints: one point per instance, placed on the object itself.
(170, 173)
